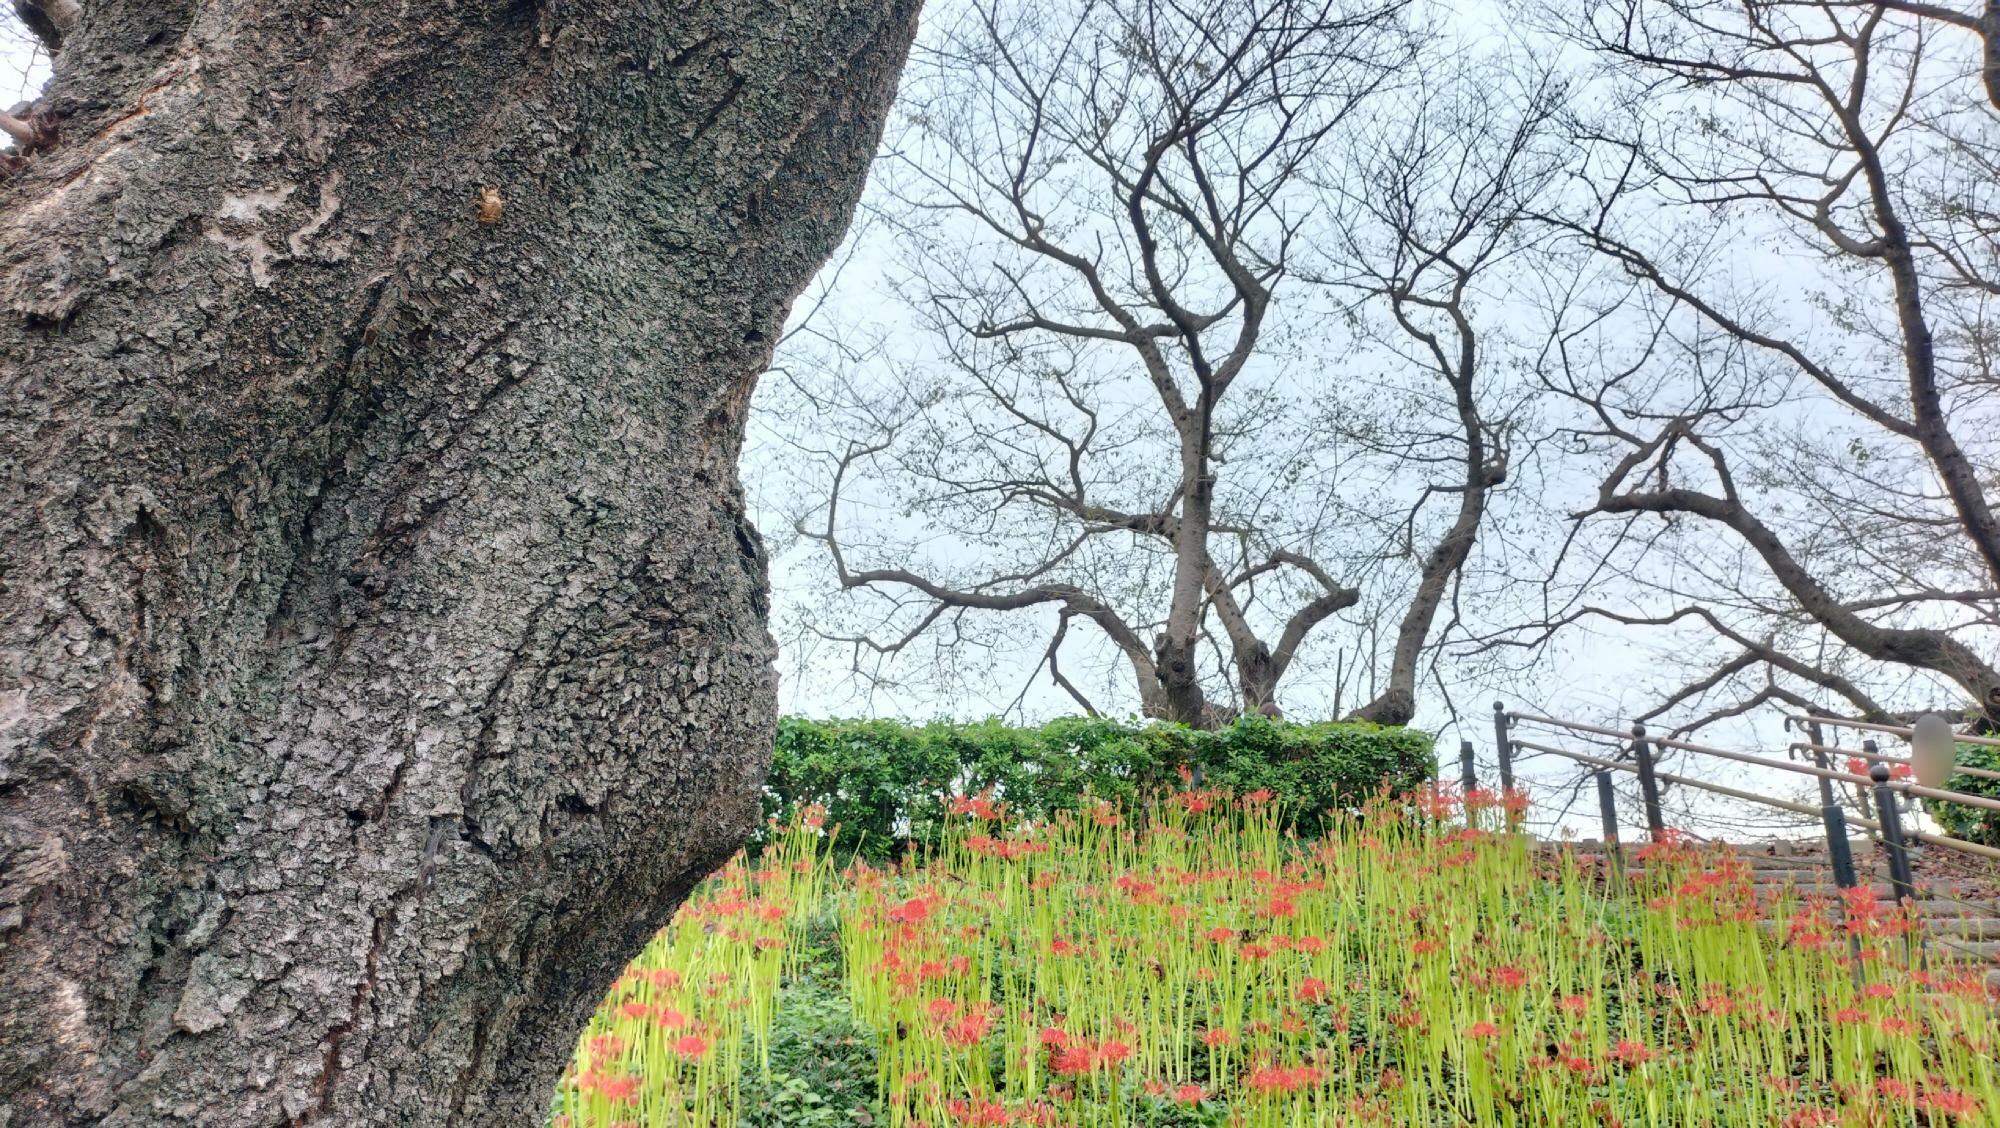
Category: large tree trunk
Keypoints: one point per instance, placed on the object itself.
(382, 652)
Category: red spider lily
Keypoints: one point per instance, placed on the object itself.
(1482, 1030)
(606, 1046)
(1437, 802)
(1216, 1036)
(1190, 1093)
(1312, 990)
(1629, 1052)
(969, 1031)
(691, 1046)
(980, 806)
(621, 1088)
(1950, 1102)
(978, 1114)
(1273, 1079)
(1716, 1001)
(1071, 1061)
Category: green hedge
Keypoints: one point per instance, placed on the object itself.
(887, 782)
(1974, 824)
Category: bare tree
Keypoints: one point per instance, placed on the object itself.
(1130, 167)
(1432, 224)
(1787, 374)
(1141, 241)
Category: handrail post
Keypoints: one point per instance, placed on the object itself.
(1649, 788)
(1503, 751)
(1826, 797)
(1838, 850)
(1841, 854)
(1468, 773)
(1607, 810)
(1900, 880)
(1892, 834)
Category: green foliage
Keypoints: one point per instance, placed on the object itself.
(887, 783)
(822, 1066)
(1974, 824)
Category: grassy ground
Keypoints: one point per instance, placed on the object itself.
(1188, 965)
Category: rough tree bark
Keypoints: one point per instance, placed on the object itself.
(382, 651)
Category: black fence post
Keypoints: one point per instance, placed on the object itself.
(1813, 733)
(1607, 810)
(1841, 855)
(1468, 774)
(1649, 788)
(1892, 836)
(1503, 746)
(1838, 850)
(1900, 880)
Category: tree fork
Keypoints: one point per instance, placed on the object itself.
(382, 646)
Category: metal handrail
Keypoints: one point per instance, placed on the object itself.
(1902, 785)
(1670, 777)
(1903, 731)
(1942, 796)
(1883, 758)
(1945, 841)
(1879, 784)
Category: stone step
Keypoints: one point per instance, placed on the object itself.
(1982, 941)
(1985, 950)
(1937, 910)
(1811, 882)
(1964, 928)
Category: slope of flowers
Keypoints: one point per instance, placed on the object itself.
(1199, 968)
